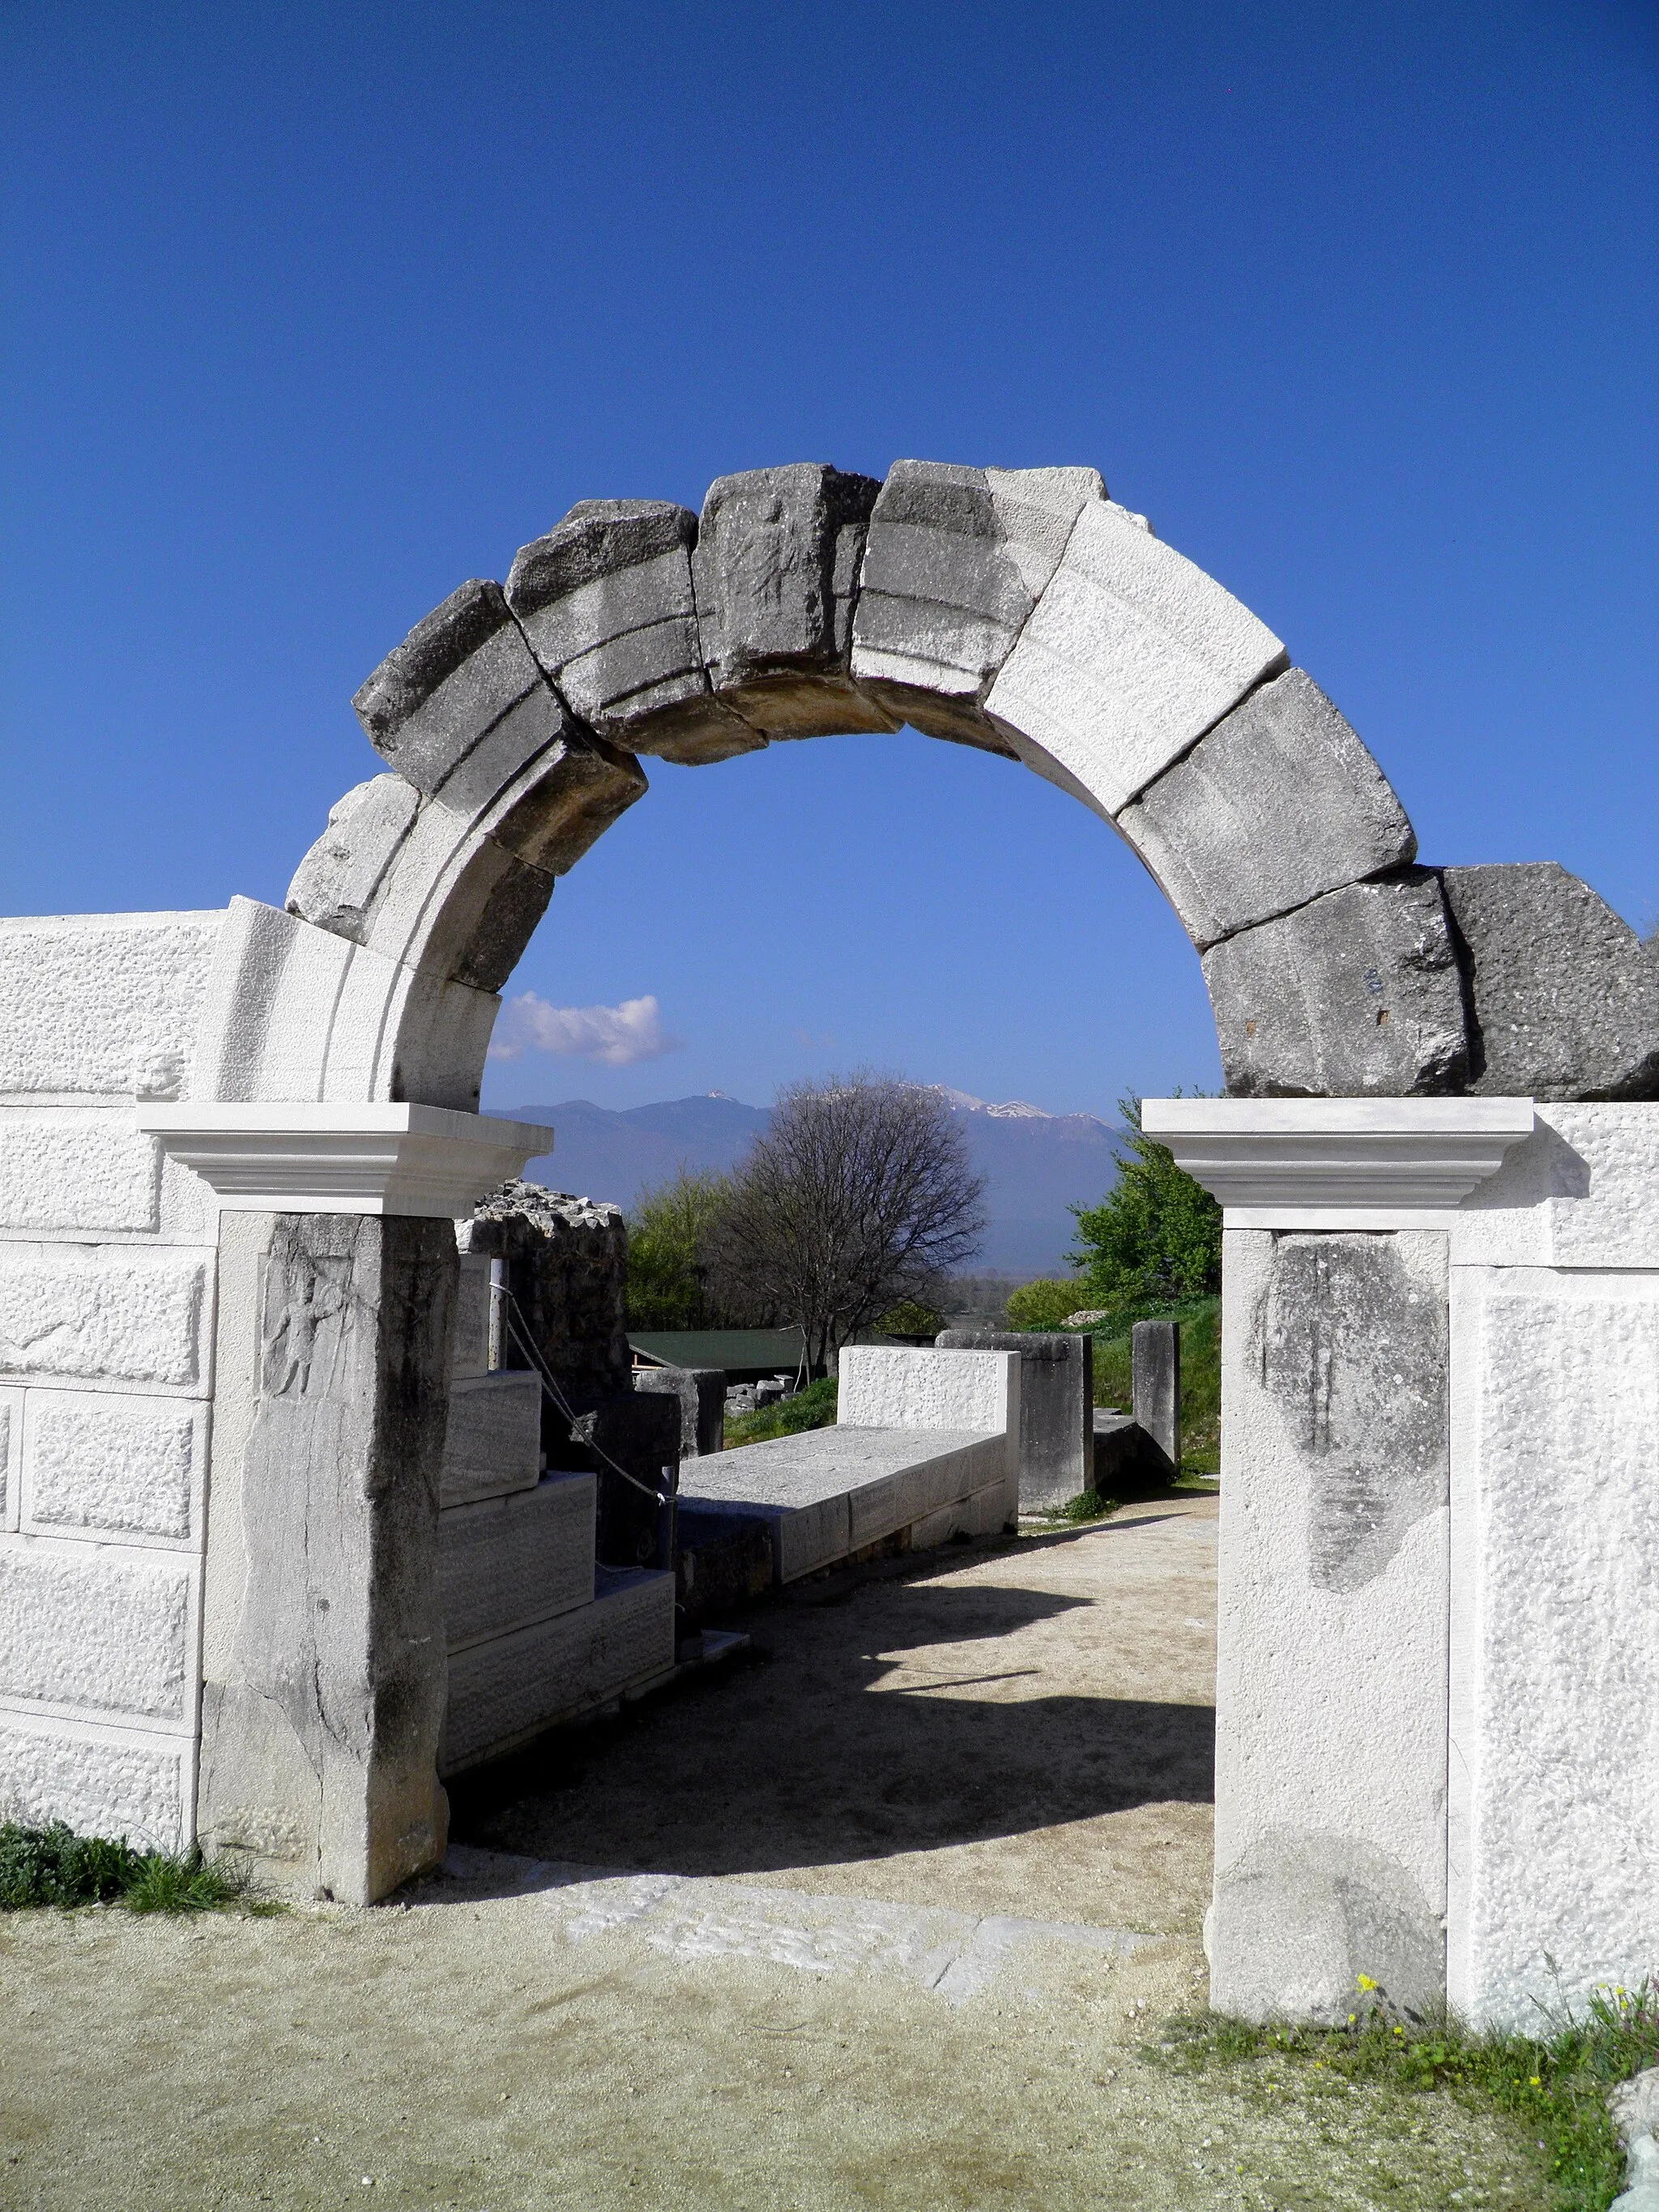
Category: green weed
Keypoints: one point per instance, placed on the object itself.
(54, 1866)
(1554, 2087)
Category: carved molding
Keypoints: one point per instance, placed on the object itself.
(1338, 1162)
(264, 1158)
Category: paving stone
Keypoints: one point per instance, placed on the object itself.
(1131, 655)
(954, 563)
(775, 569)
(1566, 997)
(1355, 995)
(462, 682)
(509, 1561)
(607, 603)
(1280, 802)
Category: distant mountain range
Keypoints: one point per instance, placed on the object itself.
(1036, 1165)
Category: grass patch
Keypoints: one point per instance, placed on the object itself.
(814, 1407)
(1087, 1506)
(1554, 2088)
(54, 1866)
(1201, 1380)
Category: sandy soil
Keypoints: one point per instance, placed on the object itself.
(1022, 1729)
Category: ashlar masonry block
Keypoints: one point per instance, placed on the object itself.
(113, 1465)
(101, 1781)
(102, 1005)
(115, 1313)
(493, 1437)
(1280, 802)
(510, 1561)
(95, 1627)
(77, 1168)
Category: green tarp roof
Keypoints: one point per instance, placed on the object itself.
(772, 1350)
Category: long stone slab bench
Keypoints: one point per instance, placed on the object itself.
(927, 1441)
(504, 1692)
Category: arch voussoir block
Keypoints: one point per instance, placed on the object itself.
(775, 570)
(1564, 996)
(954, 562)
(1278, 804)
(608, 606)
(1131, 654)
(1357, 994)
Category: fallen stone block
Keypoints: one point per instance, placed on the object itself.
(507, 1690)
(723, 1562)
(1131, 655)
(1565, 996)
(1355, 995)
(492, 1439)
(461, 705)
(1278, 803)
(508, 1562)
(607, 603)
(954, 563)
(1056, 1393)
(775, 570)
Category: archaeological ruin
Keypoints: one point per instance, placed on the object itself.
(237, 1327)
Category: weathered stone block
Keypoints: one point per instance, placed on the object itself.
(107, 1312)
(98, 1782)
(987, 1513)
(469, 1347)
(102, 1005)
(95, 1627)
(1155, 1373)
(124, 1466)
(566, 1267)
(1555, 1628)
(77, 1168)
(512, 1560)
(11, 1455)
(1565, 997)
(461, 705)
(701, 1395)
(775, 569)
(1056, 1397)
(1355, 995)
(1330, 1809)
(1280, 802)
(502, 1691)
(631, 1442)
(334, 886)
(954, 562)
(1131, 655)
(323, 1694)
(493, 1437)
(881, 1387)
(607, 603)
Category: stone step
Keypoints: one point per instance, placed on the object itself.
(505, 1563)
(504, 1692)
(493, 1443)
(830, 1493)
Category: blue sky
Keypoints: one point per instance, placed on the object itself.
(311, 313)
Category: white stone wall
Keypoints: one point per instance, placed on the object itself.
(1553, 1828)
(923, 1388)
(106, 1293)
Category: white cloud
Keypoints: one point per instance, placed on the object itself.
(618, 1035)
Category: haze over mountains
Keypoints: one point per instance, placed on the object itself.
(1037, 1165)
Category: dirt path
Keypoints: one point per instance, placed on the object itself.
(901, 1906)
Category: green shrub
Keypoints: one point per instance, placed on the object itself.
(1201, 1379)
(814, 1407)
(1048, 1303)
(667, 1227)
(909, 1317)
(54, 1866)
(1154, 1241)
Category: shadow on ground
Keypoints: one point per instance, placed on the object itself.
(878, 1716)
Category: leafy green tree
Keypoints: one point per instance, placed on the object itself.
(1154, 1241)
(667, 1228)
(1047, 1302)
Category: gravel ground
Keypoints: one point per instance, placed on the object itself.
(938, 1755)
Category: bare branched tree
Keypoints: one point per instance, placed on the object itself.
(859, 1194)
